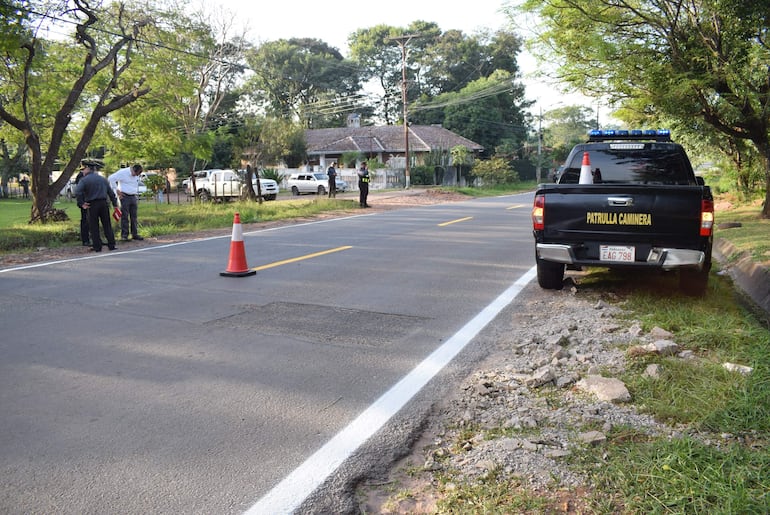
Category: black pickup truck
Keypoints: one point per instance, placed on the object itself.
(625, 199)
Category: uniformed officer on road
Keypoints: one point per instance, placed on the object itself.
(92, 193)
(363, 185)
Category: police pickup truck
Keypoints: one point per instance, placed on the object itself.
(625, 199)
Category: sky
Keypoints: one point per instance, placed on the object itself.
(333, 21)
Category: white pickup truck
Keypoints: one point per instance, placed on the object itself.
(227, 185)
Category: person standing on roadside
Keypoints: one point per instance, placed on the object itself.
(24, 186)
(332, 173)
(92, 193)
(363, 185)
(125, 183)
(85, 233)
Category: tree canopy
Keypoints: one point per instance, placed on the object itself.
(669, 59)
(302, 78)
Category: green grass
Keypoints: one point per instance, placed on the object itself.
(679, 475)
(753, 237)
(492, 493)
(683, 474)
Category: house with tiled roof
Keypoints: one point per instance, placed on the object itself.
(385, 143)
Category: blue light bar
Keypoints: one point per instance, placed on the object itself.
(633, 134)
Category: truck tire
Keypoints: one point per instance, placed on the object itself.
(204, 195)
(295, 191)
(550, 276)
(693, 282)
(270, 197)
(321, 190)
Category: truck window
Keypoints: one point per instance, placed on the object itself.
(655, 164)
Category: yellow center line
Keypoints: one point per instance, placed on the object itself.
(455, 221)
(300, 258)
(516, 206)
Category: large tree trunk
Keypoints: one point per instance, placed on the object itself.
(763, 147)
(43, 200)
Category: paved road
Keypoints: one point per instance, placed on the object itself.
(144, 382)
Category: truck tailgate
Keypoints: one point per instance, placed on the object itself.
(659, 215)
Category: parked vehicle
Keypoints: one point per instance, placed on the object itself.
(226, 185)
(219, 185)
(269, 187)
(342, 186)
(69, 189)
(309, 182)
(625, 199)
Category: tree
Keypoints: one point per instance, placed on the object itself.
(704, 59)
(566, 127)
(495, 171)
(194, 70)
(264, 141)
(454, 60)
(304, 79)
(461, 156)
(101, 85)
(488, 111)
(380, 60)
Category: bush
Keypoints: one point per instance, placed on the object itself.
(495, 171)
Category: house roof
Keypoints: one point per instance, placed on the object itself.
(386, 139)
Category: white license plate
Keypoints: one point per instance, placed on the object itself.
(618, 253)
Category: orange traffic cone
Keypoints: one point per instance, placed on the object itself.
(585, 170)
(237, 266)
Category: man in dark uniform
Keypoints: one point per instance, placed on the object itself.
(92, 193)
(332, 173)
(85, 233)
(363, 185)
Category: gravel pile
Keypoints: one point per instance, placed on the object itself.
(532, 383)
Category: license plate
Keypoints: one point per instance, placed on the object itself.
(618, 253)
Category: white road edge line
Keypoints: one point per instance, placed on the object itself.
(292, 491)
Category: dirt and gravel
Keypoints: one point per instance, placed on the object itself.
(529, 387)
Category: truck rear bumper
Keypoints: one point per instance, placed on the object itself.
(658, 257)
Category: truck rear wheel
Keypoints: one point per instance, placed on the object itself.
(294, 191)
(321, 190)
(550, 276)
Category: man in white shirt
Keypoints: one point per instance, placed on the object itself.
(125, 182)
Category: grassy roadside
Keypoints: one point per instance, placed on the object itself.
(753, 235)
(720, 458)
(724, 470)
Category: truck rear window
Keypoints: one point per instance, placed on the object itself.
(655, 164)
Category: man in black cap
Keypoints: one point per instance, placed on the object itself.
(92, 193)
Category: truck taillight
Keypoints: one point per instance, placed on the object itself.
(538, 210)
(706, 217)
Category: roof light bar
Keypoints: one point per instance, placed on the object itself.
(634, 134)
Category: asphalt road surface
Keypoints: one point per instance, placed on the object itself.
(142, 381)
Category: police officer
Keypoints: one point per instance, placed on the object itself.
(92, 193)
(363, 185)
(85, 232)
(332, 173)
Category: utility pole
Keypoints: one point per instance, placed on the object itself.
(402, 42)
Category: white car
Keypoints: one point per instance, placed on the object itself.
(342, 186)
(312, 182)
(269, 187)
